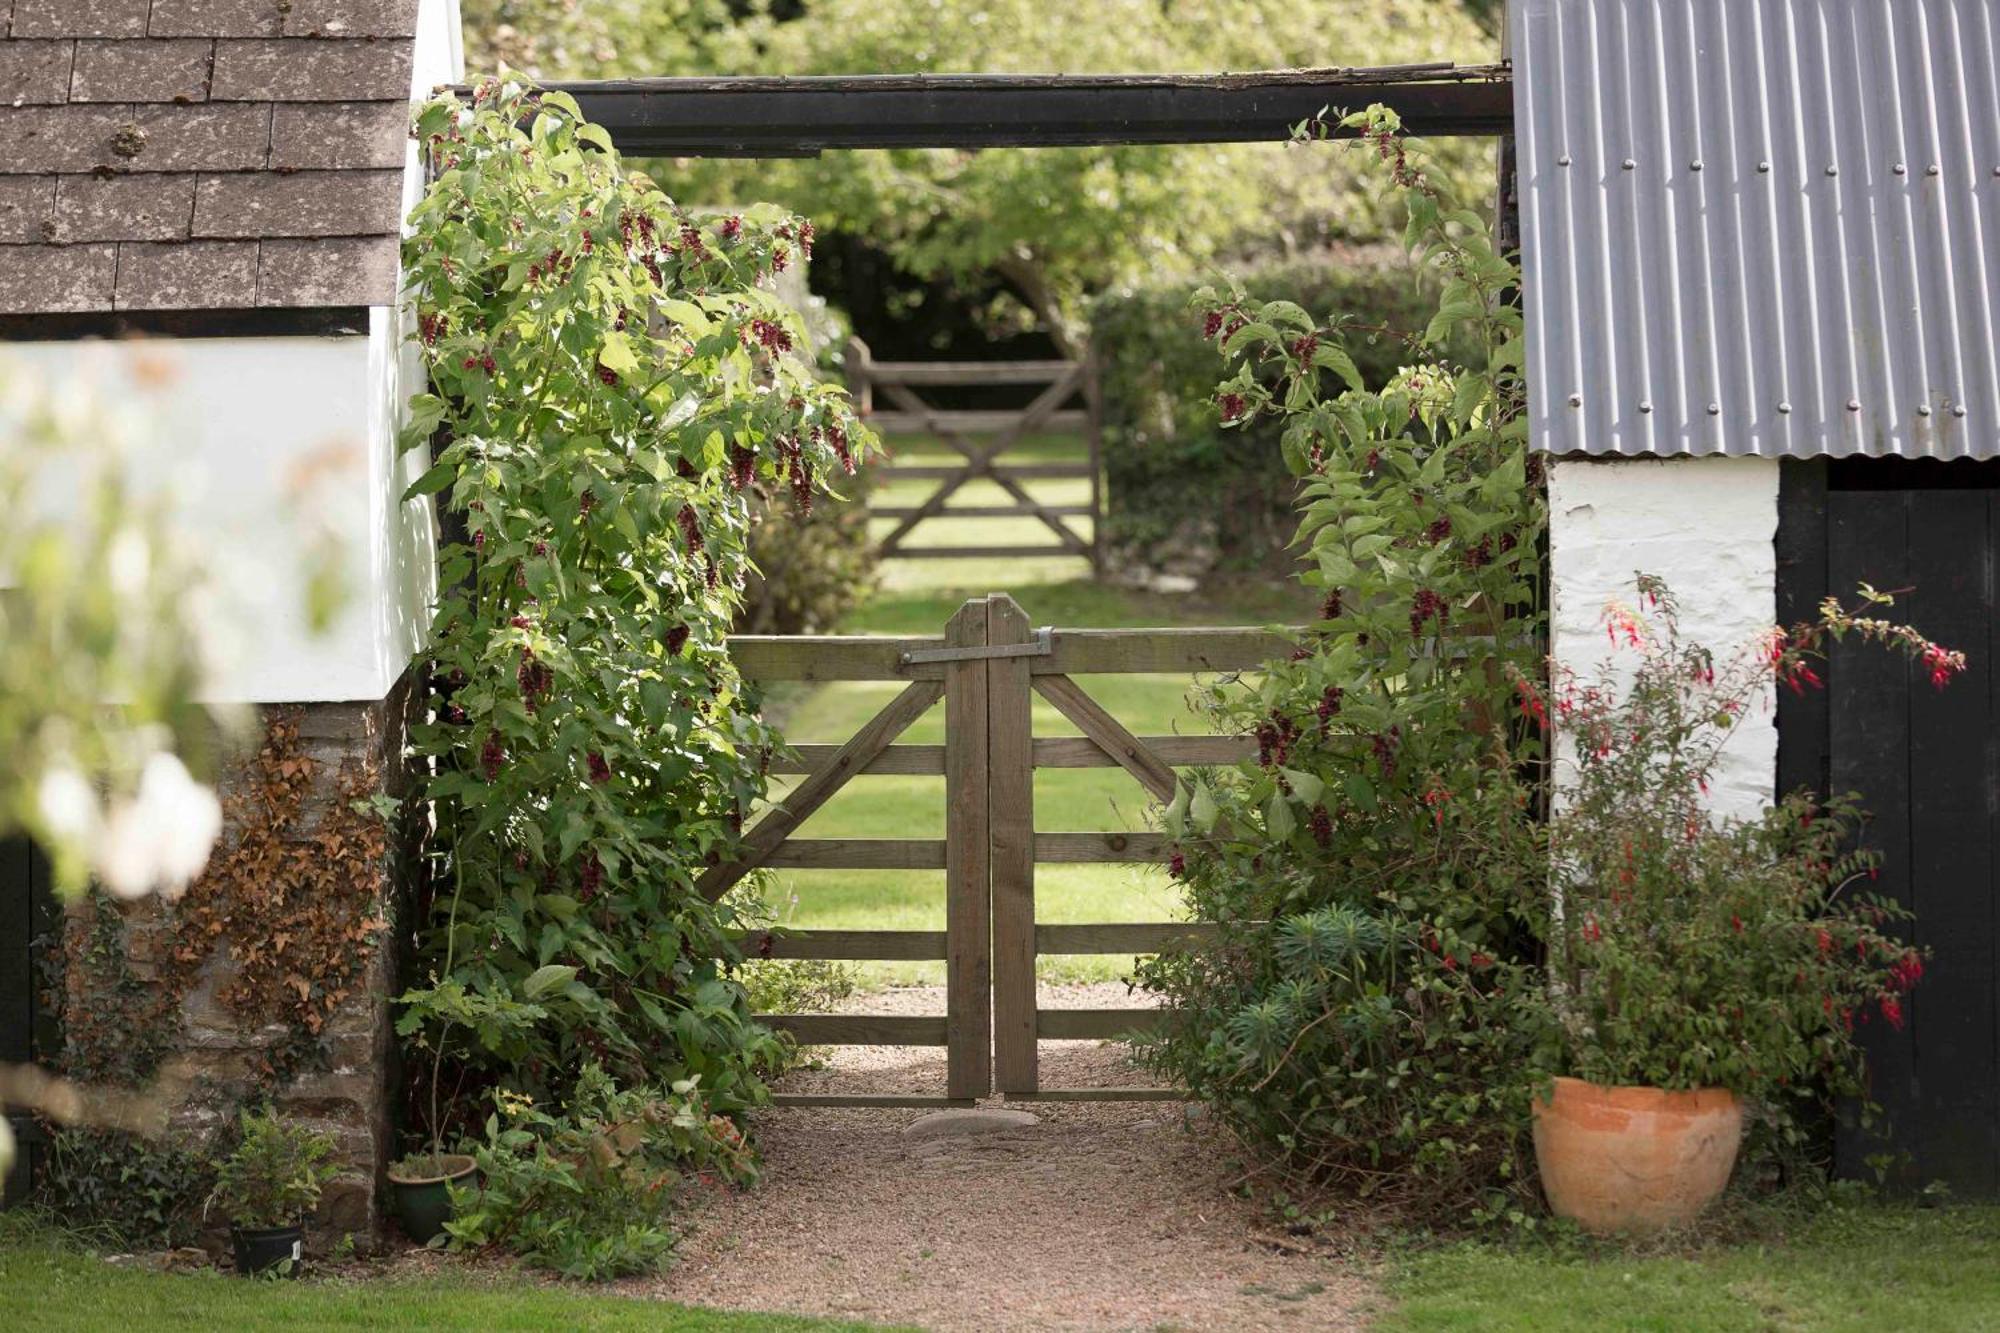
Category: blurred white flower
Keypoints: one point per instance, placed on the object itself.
(68, 806)
(161, 837)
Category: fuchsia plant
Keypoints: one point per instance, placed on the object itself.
(1688, 951)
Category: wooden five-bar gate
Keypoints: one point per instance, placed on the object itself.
(986, 667)
(1068, 403)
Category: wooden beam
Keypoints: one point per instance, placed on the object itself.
(789, 117)
(904, 759)
(968, 421)
(1179, 751)
(883, 473)
(1010, 720)
(895, 946)
(881, 1099)
(1110, 848)
(858, 854)
(952, 373)
(980, 511)
(985, 552)
(859, 1029)
(1121, 937)
(1165, 652)
(968, 907)
(1093, 1024)
(1102, 1095)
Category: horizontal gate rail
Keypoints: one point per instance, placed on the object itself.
(847, 946)
(1049, 752)
(823, 657)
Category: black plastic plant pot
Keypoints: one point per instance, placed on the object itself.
(269, 1249)
(423, 1203)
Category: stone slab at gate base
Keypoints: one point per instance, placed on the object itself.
(215, 1058)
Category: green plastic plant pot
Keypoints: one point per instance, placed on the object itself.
(423, 1203)
(263, 1250)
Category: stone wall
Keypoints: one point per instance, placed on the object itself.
(1708, 526)
(271, 979)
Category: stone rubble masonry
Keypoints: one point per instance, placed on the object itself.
(347, 1091)
(129, 128)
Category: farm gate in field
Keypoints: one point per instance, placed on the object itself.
(986, 667)
(1067, 404)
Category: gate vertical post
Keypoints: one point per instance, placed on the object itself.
(1009, 707)
(968, 904)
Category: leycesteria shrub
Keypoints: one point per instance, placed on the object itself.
(1361, 1016)
(1689, 951)
(610, 375)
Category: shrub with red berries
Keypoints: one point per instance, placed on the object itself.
(612, 377)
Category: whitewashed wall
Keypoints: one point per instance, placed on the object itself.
(1705, 525)
(271, 447)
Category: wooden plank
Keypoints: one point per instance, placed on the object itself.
(860, 1029)
(1093, 434)
(860, 376)
(913, 1101)
(1092, 848)
(858, 854)
(1164, 652)
(1951, 768)
(978, 511)
(1869, 714)
(946, 373)
(969, 421)
(1180, 751)
(1102, 1095)
(1091, 718)
(982, 552)
(896, 946)
(815, 791)
(968, 906)
(1010, 709)
(884, 473)
(1121, 937)
(1801, 559)
(900, 759)
(793, 116)
(1093, 1024)
(1167, 652)
(816, 657)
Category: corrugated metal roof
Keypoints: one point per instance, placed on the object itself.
(1761, 226)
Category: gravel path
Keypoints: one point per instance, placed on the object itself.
(1103, 1216)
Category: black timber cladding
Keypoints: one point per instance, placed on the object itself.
(787, 117)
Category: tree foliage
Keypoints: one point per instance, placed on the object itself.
(1057, 224)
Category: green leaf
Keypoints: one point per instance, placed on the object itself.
(546, 978)
(1202, 808)
(433, 481)
(1279, 820)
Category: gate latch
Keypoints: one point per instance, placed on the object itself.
(1041, 645)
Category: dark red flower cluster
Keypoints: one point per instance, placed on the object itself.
(592, 876)
(690, 524)
(732, 227)
(1385, 745)
(1427, 606)
(771, 336)
(1232, 405)
(1274, 740)
(1439, 530)
(493, 756)
(600, 772)
(485, 363)
(1321, 824)
(1330, 608)
(1177, 865)
(837, 438)
(1329, 708)
(677, 638)
(433, 327)
(799, 471)
(1211, 324)
(535, 680)
(606, 375)
(1304, 347)
(742, 467)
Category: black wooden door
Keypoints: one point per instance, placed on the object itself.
(28, 918)
(1927, 765)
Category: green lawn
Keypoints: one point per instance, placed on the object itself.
(1850, 1268)
(916, 597)
(52, 1287)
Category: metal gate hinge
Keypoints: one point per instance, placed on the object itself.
(1041, 645)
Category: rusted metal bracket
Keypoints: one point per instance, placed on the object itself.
(1043, 644)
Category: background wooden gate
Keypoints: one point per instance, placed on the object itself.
(1067, 404)
(986, 667)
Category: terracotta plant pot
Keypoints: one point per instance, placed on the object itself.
(1635, 1160)
(423, 1203)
